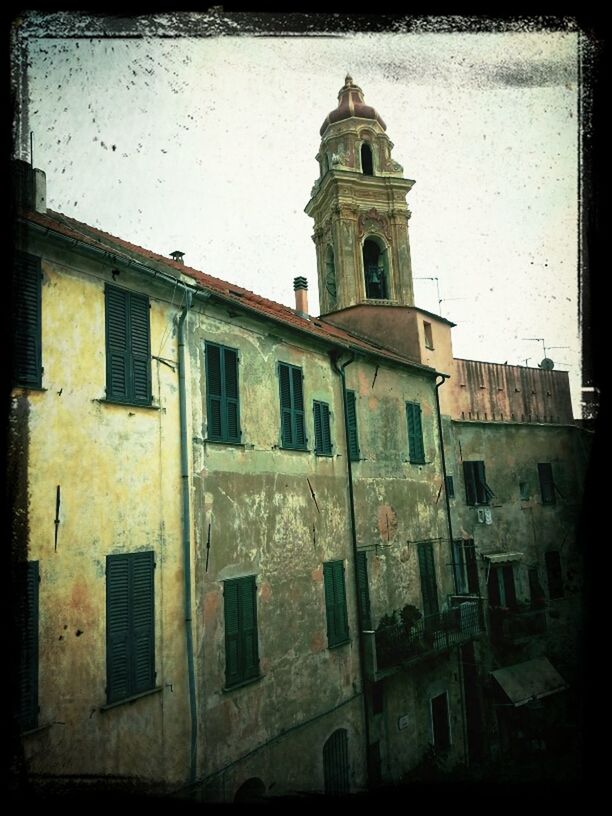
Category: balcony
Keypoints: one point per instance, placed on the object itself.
(396, 644)
(516, 624)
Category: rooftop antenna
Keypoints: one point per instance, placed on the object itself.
(32, 148)
(437, 290)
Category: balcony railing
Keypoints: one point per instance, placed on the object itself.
(395, 644)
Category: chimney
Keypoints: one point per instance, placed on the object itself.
(300, 286)
(29, 187)
(177, 256)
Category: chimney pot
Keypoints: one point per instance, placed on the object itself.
(300, 286)
(177, 256)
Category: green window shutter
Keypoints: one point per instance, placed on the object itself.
(493, 587)
(248, 618)
(298, 407)
(214, 391)
(230, 386)
(547, 485)
(351, 414)
(415, 433)
(142, 633)
(459, 566)
(285, 405)
(471, 564)
(233, 651)
(508, 579)
(117, 353)
(470, 483)
(364, 590)
(483, 491)
(335, 603)
(140, 359)
(330, 609)
(321, 425)
(429, 587)
(117, 627)
(27, 708)
(450, 487)
(316, 407)
(26, 316)
(130, 619)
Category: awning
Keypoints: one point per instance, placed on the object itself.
(531, 680)
(499, 558)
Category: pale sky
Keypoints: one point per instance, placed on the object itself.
(207, 145)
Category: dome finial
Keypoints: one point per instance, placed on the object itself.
(348, 80)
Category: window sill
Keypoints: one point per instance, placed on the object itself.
(38, 730)
(127, 404)
(224, 442)
(249, 682)
(418, 462)
(295, 450)
(19, 387)
(131, 699)
(337, 645)
(324, 455)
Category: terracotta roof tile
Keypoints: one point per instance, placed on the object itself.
(230, 292)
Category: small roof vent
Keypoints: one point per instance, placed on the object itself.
(177, 256)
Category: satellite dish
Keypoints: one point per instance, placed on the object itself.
(547, 364)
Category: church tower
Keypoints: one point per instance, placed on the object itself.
(359, 208)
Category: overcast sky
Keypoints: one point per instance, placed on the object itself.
(207, 145)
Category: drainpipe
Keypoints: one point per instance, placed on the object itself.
(450, 534)
(364, 683)
(187, 534)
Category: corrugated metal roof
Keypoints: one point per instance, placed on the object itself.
(232, 293)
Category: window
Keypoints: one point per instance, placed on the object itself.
(450, 487)
(547, 484)
(501, 587)
(351, 416)
(465, 567)
(367, 166)
(554, 574)
(375, 269)
(241, 647)
(364, 590)
(27, 615)
(323, 445)
(26, 318)
(535, 589)
(524, 491)
(128, 353)
(130, 635)
(222, 403)
(428, 335)
(335, 603)
(336, 764)
(440, 723)
(415, 434)
(429, 586)
(477, 491)
(293, 432)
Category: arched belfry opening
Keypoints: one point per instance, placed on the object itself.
(375, 269)
(367, 165)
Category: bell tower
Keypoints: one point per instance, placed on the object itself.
(360, 213)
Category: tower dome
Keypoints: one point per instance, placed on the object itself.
(350, 103)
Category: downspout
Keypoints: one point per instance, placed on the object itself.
(450, 538)
(349, 467)
(186, 534)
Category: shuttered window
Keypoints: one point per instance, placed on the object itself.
(27, 704)
(26, 320)
(501, 587)
(336, 764)
(465, 567)
(547, 484)
(351, 415)
(415, 434)
(293, 431)
(477, 491)
(222, 400)
(450, 487)
(429, 586)
(130, 635)
(364, 590)
(323, 445)
(335, 603)
(128, 352)
(554, 574)
(241, 643)
(440, 724)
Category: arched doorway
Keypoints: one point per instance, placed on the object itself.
(336, 764)
(253, 790)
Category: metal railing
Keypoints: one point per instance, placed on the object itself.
(397, 643)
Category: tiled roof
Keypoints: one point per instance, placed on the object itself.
(229, 292)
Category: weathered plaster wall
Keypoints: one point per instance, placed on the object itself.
(118, 471)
